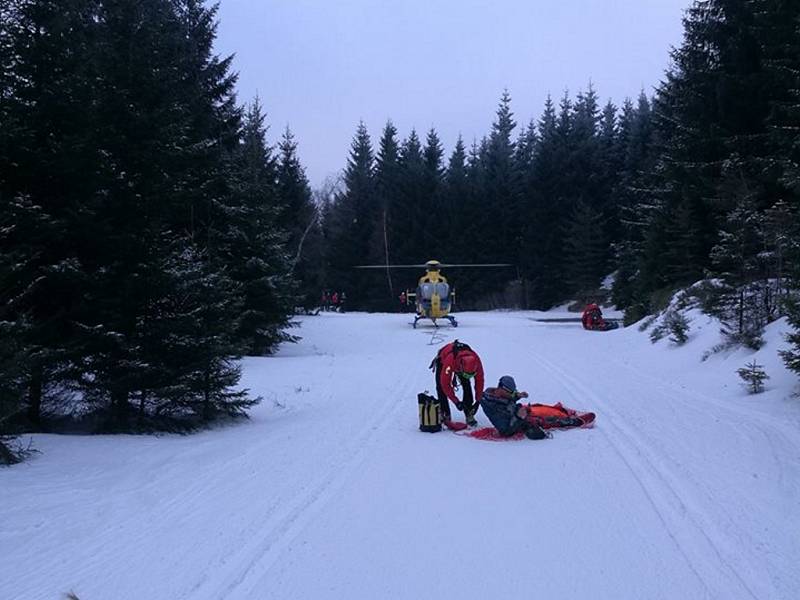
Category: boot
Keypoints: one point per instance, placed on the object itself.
(534, 432)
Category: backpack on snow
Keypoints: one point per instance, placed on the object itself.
(430, 413)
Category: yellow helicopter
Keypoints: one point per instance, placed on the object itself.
(433, 297)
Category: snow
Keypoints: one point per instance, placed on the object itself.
(687, 487)
(608, 281)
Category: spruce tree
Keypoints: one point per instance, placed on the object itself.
(462, 220)
(587, 174)
(745, 303)
(132, 229)
(407, 228)
(545, 214)
(13, 362)
(293, 191)
(351, 224)
(778, 29)
(635, 206)
(431, 208)
(639, 141)
(592, 178)
(791, 357)
(254, 249)
(456, 201)
(301, 221)
(47, 169)
(168, 135)
(608, 128)
(501, 193)
(525, 149)
(191, 341)
(710, 109)
(524, 160)
(585, 246)
(386, 188)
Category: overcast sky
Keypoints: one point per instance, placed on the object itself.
(320, 66)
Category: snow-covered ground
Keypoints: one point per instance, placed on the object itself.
(687, 487)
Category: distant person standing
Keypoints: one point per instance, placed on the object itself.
(335, 301)
(342, 298)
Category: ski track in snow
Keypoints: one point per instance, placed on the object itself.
(756, 427)
(693, 487)
(684, 496)
(251, 564)
(770, 430)
(674, 507)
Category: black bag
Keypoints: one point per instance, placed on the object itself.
(430, 413)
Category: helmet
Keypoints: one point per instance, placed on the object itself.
(467, 364)
(507, 383)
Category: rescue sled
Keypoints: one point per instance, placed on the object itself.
(546, 416)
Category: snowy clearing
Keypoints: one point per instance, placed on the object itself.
(686, 488)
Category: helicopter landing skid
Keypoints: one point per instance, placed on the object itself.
(450, 318)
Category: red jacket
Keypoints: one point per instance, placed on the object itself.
(451, 362)
(592, 317)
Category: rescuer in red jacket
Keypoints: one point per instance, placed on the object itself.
(592, 318)
(456, 364)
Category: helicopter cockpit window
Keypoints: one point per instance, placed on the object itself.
(442, 289)
(426, 291)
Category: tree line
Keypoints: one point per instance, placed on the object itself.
(543, 198)
(149, 235)
(698, 182)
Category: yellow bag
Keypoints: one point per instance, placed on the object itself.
(430, 413)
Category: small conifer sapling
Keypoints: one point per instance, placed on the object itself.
(753, 375)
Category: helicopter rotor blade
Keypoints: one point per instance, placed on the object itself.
(437, 265)
(389, 266)
(453, 266)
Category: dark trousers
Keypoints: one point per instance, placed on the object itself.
(503, 417)
(468, 401)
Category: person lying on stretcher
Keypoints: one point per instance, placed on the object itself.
(509, 417)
